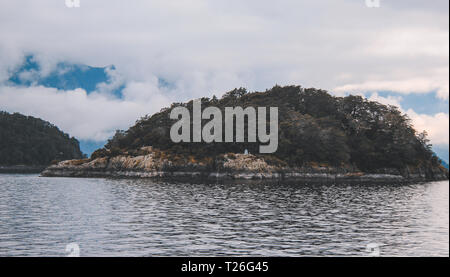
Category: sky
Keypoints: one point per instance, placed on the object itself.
(159, 52)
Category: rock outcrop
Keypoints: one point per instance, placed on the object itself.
(157, 164)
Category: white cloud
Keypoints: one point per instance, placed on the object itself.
(94, 116)
(208, 47)
(436, 126)
(407, 86)
(389, 100)
(255, 43)
(409, 42)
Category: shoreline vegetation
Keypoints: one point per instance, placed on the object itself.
(321, 138)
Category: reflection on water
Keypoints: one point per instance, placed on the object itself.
(40, 216)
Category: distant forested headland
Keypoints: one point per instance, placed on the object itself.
(33, 142)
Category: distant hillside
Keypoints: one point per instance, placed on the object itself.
(25, 140)
(314, 127)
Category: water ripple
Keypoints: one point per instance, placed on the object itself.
(40, 216)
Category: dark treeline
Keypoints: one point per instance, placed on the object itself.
(313, 127)
(25, 140)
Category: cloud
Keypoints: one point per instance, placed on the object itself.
(90, 117)
(435, 125)
(245, 43)
(437, 82)
(209, 47)
(409, 42)
(389, 100)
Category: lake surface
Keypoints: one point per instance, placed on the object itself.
(41, 216)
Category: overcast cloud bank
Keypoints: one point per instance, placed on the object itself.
(204, 47)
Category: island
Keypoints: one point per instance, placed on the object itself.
(29, 144)
(320, 138)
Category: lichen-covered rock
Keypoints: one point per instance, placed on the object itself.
(246, 162)
(153, 163)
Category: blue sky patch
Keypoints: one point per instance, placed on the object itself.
(426, 103)
(66, 76)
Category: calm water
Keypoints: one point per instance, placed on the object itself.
(40, 216)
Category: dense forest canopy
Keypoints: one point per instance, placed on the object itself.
(25, 140)
(313, 127)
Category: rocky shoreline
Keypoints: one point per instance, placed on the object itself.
(152, 164)
(298, 176)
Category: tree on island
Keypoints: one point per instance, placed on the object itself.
(314, 127)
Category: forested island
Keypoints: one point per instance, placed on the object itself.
(29, 144)
(321, 137)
